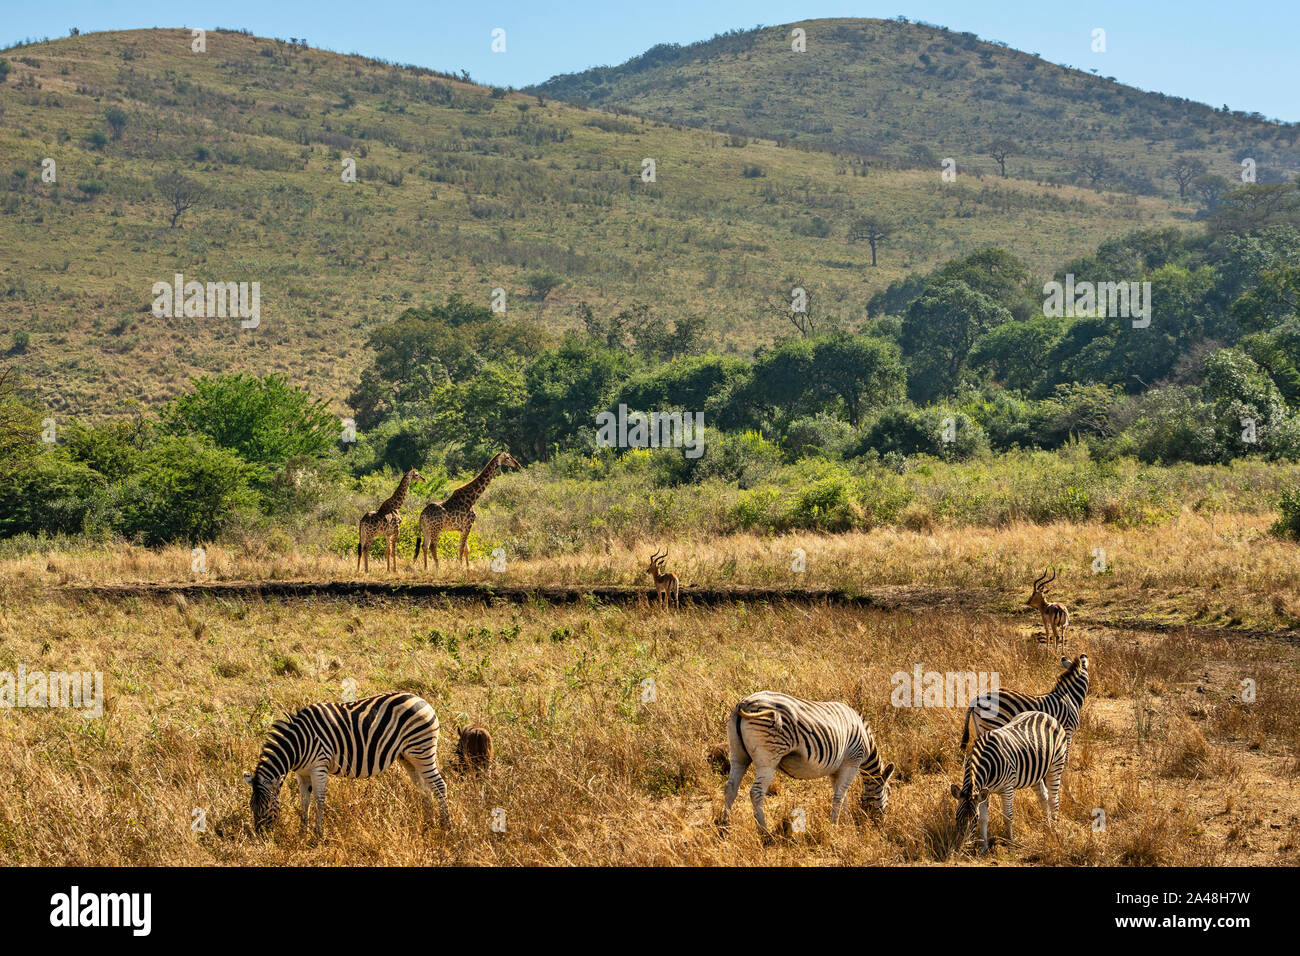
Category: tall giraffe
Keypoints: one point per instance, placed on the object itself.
(385, 522)
(457, 512)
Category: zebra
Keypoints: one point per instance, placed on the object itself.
(350, 739)
(1055, 617)
(804, 739)
(1064, 702)
(1027, 752)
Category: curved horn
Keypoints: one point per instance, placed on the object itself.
(1039, 580)
(657, 556)
(1052, 578)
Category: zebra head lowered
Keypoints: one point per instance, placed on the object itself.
(875, 789)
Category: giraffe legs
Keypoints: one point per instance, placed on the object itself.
(464, 546)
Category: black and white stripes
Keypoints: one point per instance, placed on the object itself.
(1064, 702)
(804, 739)
(350, 739)
(1028, 752)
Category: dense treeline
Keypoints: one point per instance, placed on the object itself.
(965, 360)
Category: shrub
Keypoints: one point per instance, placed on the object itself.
(190, 489)
(1288, 522)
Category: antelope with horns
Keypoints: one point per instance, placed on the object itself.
(1055, 617)
(665, 581)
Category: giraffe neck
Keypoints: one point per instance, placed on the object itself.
(398, 497)
(466, 495)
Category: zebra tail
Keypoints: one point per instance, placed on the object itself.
(965, 727)
(739, 740)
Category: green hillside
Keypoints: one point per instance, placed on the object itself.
(460, 189)
(919, 93)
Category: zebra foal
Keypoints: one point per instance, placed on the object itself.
(806, 740)
(1027, 752)
(350, 739)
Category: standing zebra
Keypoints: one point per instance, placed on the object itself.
(1028, 752)
(351, 739)
(1064, 702)
(804, 739)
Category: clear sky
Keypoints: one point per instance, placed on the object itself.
(1244, 54)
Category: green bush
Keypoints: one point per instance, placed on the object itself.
(189, 489)
(1288, 505)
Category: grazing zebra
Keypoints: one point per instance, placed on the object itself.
(804, 739)
(1027, 752)
(351, 739)
(1064, 702)
(1055, 617)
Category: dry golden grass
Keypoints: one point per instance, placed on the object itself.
(1215, 571)
(589, 774)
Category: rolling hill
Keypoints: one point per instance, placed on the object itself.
(918, 93)
(459, 189)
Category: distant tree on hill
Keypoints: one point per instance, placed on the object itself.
(180, 192)
(1184, 170)
(1001, 150)
(116, 119)
(874, 230)
(1255, 207)
(1210, 187)
(542, 284)
(1095, 168)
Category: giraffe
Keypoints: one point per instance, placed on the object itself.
(385, 522)
(457, 512)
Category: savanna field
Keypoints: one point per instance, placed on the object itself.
(590, 769)
(811, 280)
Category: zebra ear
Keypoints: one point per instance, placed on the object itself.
(982, 795)
(956, 792)
(248, 777)
(1066, 662)
(889, 772)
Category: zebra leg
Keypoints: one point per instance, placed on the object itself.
(428, 780)
(318, 778)
(1045, 800)
(841, 782)
(739, 764)
(1008, 811)
(984, 826)
(1054, 795)
(758, 792)
(304, 794)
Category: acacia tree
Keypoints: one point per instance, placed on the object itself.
(1210, 187)
(873, 229)
(1184, 170)
(1001, 150)
(800, 311)
(180, 192)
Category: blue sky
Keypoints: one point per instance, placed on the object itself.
(1242, 54)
